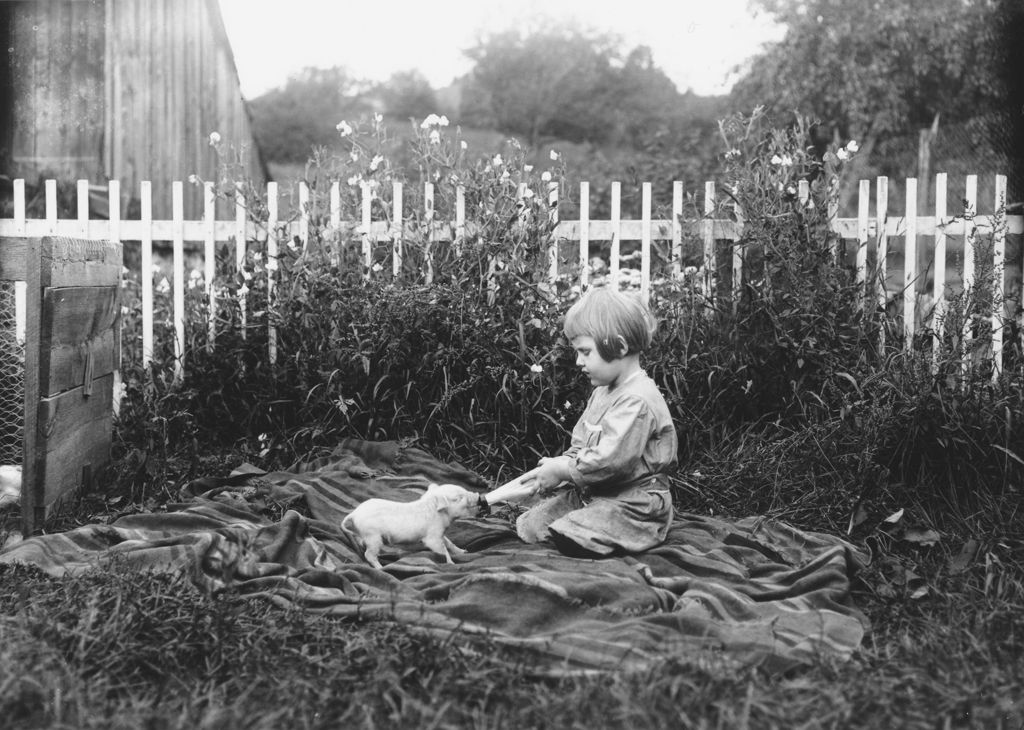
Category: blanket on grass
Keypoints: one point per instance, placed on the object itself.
(748, 591)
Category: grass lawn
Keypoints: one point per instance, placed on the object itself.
(117, 649)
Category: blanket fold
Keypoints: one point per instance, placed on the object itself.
(747, 591)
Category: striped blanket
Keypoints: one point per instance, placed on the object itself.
(743, 592)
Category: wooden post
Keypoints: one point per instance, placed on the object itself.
(428, 205)
(366, 202)
(209, 261)
(240, 245)
(863, 203)
(970, 241)
(708, 227)
(882, 252)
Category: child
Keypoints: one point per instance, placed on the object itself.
(612, 491)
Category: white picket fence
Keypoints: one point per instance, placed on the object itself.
(865, 229)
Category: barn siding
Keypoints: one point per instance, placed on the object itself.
(123, 89)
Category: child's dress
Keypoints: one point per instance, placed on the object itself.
(618, 499)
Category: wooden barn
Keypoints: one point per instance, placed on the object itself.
(121, 89)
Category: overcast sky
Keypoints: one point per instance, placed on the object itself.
(695, 42)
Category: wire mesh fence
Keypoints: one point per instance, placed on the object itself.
(12, 379)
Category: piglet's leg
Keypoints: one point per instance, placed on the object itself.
(452, 547)
(373, 546)
(438, 544)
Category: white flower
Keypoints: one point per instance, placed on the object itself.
(504, 176)
(527, 194)
(378, 117)
(354, 180)
(195, 274)
(376, 267)
(344, 128)
(243, 290)
(791, 190)
(690, 270)
(497, 161)
(842, 154)
(567, 405)
(164, 286)
(375, 162)
(463, 145)
(527, 168)
(246, 275)
(430, 121)
(256, 256)
(535, 368)
(852, 145)
(545, 176)
(787, 161)
(271, 264)
(214, 139)
(732, 154)
(776, 160)
(193, 179)
(291, 244)
(435, 137)
(554, 155)
(443, 121)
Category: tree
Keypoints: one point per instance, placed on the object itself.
(871, 69)
(407, 94)
(290, 120)
(538, 82)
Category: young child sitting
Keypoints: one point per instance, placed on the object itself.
(611, 491)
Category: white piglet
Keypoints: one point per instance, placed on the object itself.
(379, 522)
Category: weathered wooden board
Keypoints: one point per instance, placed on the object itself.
(72, 335)
(12, 259)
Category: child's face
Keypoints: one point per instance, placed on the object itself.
(599, 370)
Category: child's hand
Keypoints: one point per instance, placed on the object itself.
(550, 473)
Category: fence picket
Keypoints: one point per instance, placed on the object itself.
(939, 282)
(882, 249)
(178, 264)
(146, 275)
(970, 241)
(677, 228)
(428, 214)
(240, 253)
(910, 266)
(863, 207)
(21, 286)
(114, 235)
(615, 248)
(584, 234)
(335, 240)
(303, 215)
(209, 261)
(553, 221)
(83, 208)
(398, 227)
(366, 202)
(998, 276)
(645, 243)
(460, 218)
(708, 225)
(272, 267)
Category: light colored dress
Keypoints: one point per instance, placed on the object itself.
(618, 500)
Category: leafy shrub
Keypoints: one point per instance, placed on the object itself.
(784, 396)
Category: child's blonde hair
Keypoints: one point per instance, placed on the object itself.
(619, 322)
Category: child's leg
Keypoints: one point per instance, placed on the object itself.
(532, 525)
(627, 523)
